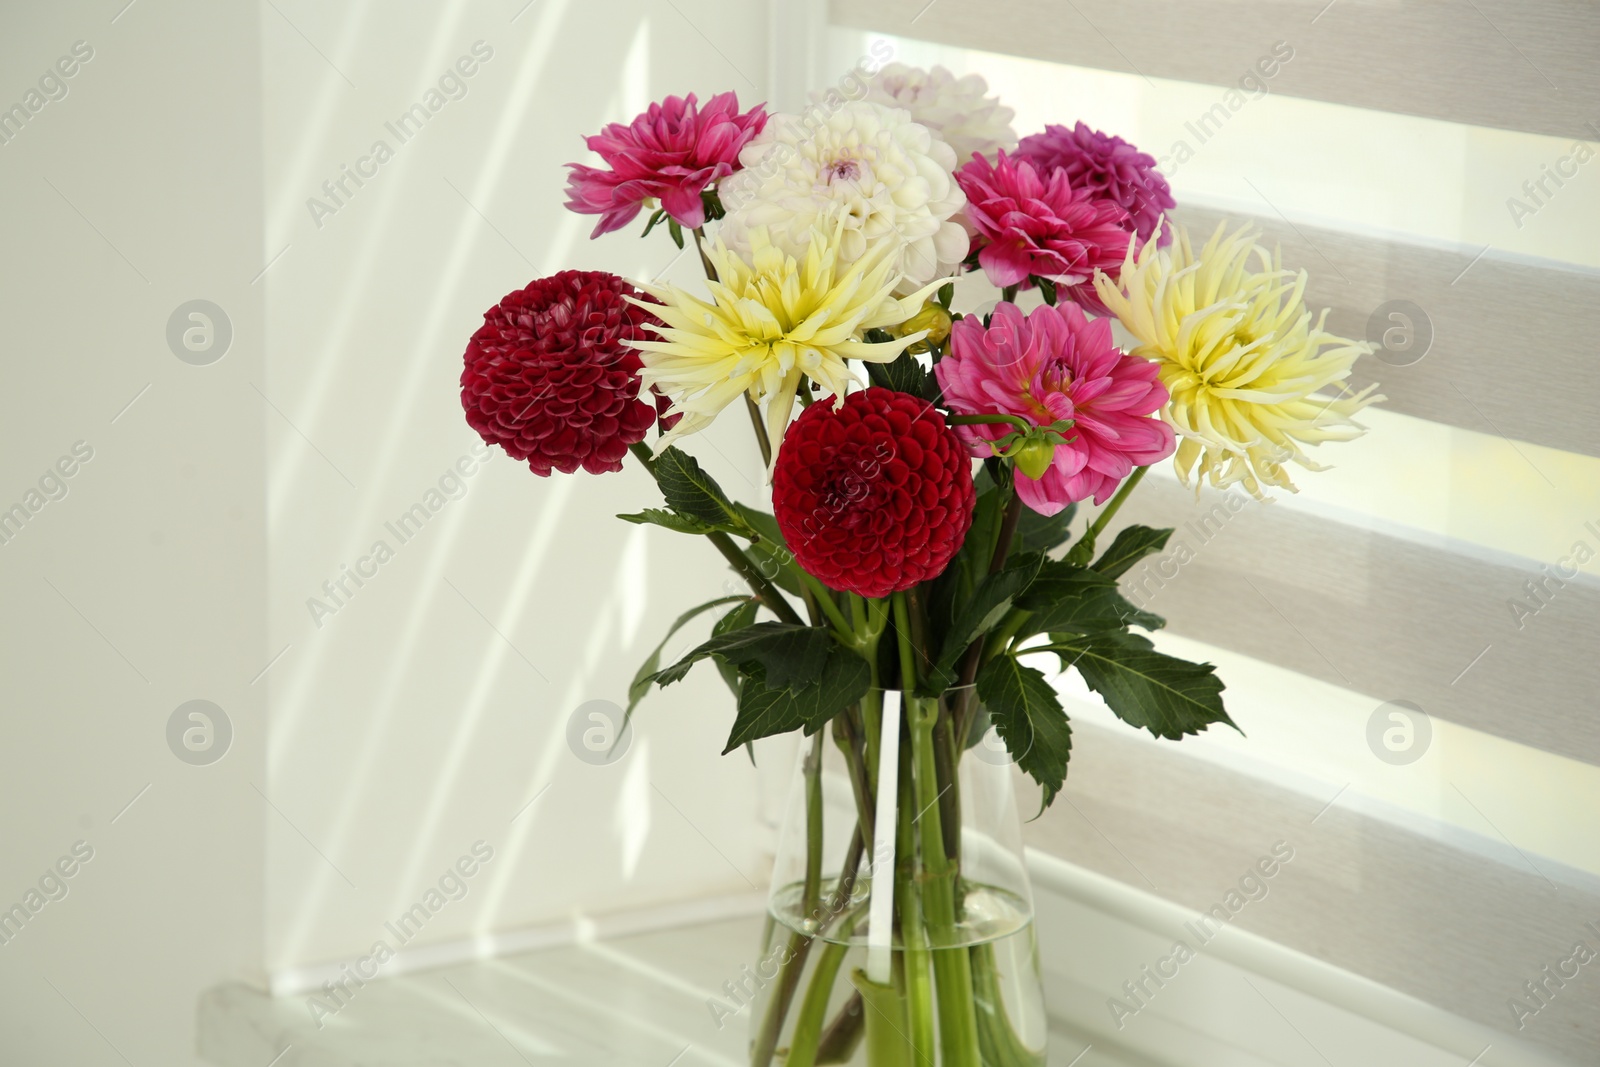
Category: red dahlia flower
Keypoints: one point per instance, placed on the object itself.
(549, 380)
(1031, 222)
(875, 496)
(672, 153)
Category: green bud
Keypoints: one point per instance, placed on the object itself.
(1033, 456)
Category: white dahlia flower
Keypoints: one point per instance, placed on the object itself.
(868, 167)
(954, 108)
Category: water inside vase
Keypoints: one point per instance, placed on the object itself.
(995, 930)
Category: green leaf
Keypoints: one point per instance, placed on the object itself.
(1028, 717)
(905, 374)
(740, 617)
(769, 552)
(843, 679)
(1168, 696)
(691, 491)
(1041, 533)
(646, 673)
(671, 520)
(947, 293)
(1132, 544)
(1080, 601)
(660, 213)
(676, 231)
(790, 655)
(989, 603)
(1047, 289)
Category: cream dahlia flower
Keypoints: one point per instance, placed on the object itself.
(1238, 352)
(956, 109)
(773, 319)
(886, 179)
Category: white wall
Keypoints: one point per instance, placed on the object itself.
(425, 713)
(138, 191)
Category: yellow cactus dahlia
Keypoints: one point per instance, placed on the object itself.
(771, 321)
(1239, 355)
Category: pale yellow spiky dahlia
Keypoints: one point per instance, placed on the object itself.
(771, 322)
(1240, 356)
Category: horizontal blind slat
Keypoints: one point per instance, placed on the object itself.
(1376, 614)
(1502, 63)
(1187, 829)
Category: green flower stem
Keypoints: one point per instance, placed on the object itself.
(914, 957)
(840, 1040)
(808, 1024)
(1022, 425)
(1104, 517)
(884, 1009)
(762, 441)
(997, 1037)
(763, 589)
(1009, 293)
(958, 1025)
(811, 892)
(847, 634)
(788, 980)
(846, 736)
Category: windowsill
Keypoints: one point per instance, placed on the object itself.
(642, 998)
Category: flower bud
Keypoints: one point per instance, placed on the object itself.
(932, 317)
(1033, 456)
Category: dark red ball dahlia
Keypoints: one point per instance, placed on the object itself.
(873, 497)
(548, 379)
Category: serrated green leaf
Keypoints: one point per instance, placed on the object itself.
(1041, 533)
(646, 673)
(904, 374)
(689, 490)
(789, 654)
(1081, 601)
(1027, 715)
(671, 520)
(763, 710)
(1168, 696)
(1132, 544)
(740, 617)
(982, 612)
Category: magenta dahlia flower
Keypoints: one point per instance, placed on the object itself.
(672, 153)
(1108, 167)
(1051, 365)
(1046, 227)
(550, 378)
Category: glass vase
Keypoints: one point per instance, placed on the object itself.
(955, 981)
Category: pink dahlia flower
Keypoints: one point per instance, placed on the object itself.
(1044, 226)
(1051, 365)
(672, 153)
(1106, 166)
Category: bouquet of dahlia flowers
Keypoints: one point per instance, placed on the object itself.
(925, 466)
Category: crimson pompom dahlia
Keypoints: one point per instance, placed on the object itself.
(549, 379)
(873, 496)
